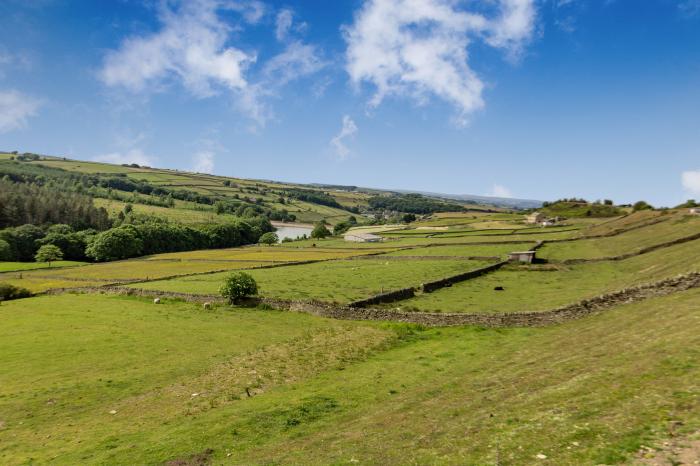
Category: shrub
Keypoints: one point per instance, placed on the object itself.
(320, 231)
(49, 253)
(8, 292)
(238, 285)
(115, 244)
(5, 251)
(641, 205)
(268, 238)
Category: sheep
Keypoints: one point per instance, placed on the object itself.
(156, 301)
(207, 306)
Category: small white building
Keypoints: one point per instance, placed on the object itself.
(526, 257)
(695, 211)
(362, 237)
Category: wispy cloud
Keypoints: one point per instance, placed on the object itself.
(689, 8)
(204, 162)
(282, 24)
(348, 129)
(500, 191)
(416, 49)
(193, 48)
(15, 109)
(190, 47)
(691, 182)
(128, 156)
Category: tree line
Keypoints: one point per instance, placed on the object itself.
(128, 240)
(412, 203)
(35, 204)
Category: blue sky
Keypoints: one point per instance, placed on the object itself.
(524, 98)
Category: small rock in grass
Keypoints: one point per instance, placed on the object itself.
(540, 456)
(114, 411)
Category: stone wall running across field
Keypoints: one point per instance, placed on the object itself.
(521, 319)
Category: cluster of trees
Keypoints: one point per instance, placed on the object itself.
(152, 238)
(35, 204)
(24, 243)
(413, 204)
(344, 226)
(314, 197)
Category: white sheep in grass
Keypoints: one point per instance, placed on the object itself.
(156, 301)
(207, 306)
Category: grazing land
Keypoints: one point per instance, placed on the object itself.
(337, 281)
(99, 376)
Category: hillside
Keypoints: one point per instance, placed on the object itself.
(425, 347)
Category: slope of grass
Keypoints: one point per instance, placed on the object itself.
(585, 392)
(676, 227)
(20, 266)
(540, 288)
(335, 281)
(68, 360)
(476, 250)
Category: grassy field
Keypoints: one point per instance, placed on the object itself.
(21, 266)
(336, 281)
(540, 288)
(329, 392)
(175, 214)
(675, 227)
(476, 250)
(69, 360)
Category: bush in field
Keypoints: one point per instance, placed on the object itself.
(268, 238)
(115, 244)
(8, 292)
(48, 253)
(320, 231)
(238, 285)
(641, 205)
(5, 251)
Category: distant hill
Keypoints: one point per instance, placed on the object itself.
(507, 202)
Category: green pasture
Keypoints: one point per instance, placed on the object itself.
(21, 266)
(544, 287)
(86, 372)
(335, 281)
(130, 382)
(674, 228)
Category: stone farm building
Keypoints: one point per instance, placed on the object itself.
(535, 217)
(362, 237)
(695, 211)
(523, 256)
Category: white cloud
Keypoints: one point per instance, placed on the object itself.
(15, 109)
(297, 60)
(348, 130)
(691, 182)
(128, 156)
(283, 23)
(191, 46)
(204, 162)
(419, 48)
(500, 191)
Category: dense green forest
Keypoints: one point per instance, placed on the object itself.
(412, 203)
(22, 203)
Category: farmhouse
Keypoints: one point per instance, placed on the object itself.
(523, 256)
(535, 217)
(362, 237)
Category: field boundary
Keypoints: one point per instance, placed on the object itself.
(432, 319)
(646, 250)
